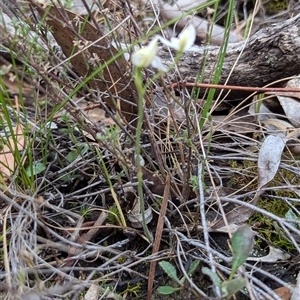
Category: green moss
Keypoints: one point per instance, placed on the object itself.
(85, 212)
(269, 229)
(132, 291)
(113, 215)
(276, 6)
(244, 172)
(242, 178)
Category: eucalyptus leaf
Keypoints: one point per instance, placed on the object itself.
(269, 158)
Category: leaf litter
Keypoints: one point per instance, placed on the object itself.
(82, 187)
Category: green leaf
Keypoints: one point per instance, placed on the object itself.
(230, 287)
(213, 276)
(242, 244)
(36, 168)
(73, 154)
(170, 270)
(193, 267)
(182, 280)
(167, 290)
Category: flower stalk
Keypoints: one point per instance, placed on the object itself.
(143, 58)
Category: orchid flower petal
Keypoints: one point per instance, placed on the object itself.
(164, 41)
(187, 38)
(175, 42)
(144, 56)
(157, 64)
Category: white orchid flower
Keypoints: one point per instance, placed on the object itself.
(185, 40)
(146, 56)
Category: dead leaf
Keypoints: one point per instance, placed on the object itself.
(284, 293)
(291, 108)
(293, 83)
(89, 49)
(278, 127)
(268, 163)
(7, 27)
(135, 216)
(7, 153)
(263, 114)
(153, 181)
(236, 216)
(158, 235)
(269, 158)
(274, 255)
(93, 292)
(96, 114)
(240, 122)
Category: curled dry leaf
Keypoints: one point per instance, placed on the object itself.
(236, 216)
(135, 215)
(290, 102)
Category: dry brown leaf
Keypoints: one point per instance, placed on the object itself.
(240, 122)
(237, 216)
(7, 158)
(284, 293)
(96, 114)
(89, 49)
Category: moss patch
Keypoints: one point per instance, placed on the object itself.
(276, 6)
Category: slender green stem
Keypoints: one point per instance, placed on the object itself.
(141, 91)
(219, 64)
